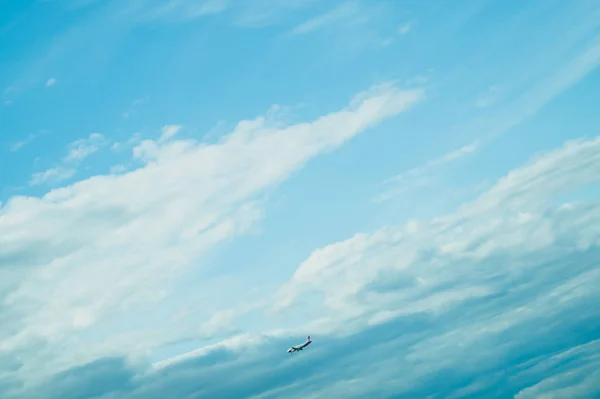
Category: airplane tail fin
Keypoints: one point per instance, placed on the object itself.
(308, 338)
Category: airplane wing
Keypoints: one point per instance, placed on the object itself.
(301, 346)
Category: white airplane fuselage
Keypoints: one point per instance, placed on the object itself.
(300, 347)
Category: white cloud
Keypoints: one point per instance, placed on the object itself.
(135, 105)
(260, 13)
(544, 90)
(50, 82)
(574, 165)
(404, 29)
(105, 244)
(182, 10)
(115, 169)
(422, 175)
(14, 147)
(386, 42)
(489, 97)
(505, 279)
(82, 148)
(525, 106)
(344, 13)
(211, 7)
(237, 342)
(52, 176)
(11, 89)
(168, 132)
(580, 381)
(77, 152)
(135, 139)
(27, 140)
(404, 269)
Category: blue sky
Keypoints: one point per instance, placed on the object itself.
(188, 188)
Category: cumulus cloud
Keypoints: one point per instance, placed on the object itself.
(103, 245)
(517, 215)
(512, 275)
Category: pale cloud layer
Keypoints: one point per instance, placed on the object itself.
(144, 227)
(500, 279)
(183, 262)
(517, 215)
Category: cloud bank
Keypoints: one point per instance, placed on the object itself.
(83, 253)
(495, 300)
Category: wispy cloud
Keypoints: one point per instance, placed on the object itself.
(422, 175)
(422, 296)
(346, 13)
(78, 151)
(401, 31)
(544, 90)
(404, 29)
(82, 148)
(261, 13)
(77, 4)
(11, 89)
(182, 10)
(449, 298)
(168, 132)
(134, 107)
(115, 169)
(14, 147)
(531, 223)
(501, 119)
(489, 97)
(135, 139)
(52, 176)
(93, 33)
(156, 225)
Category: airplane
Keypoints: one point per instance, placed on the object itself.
(300, 347)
